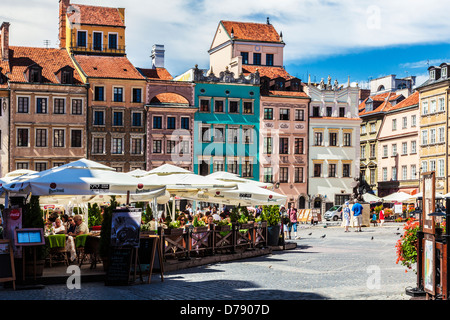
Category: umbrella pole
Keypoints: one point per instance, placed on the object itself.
(173, 208)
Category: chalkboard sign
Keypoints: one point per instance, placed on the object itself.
(119, 268)
(7, 270)
(145, 252)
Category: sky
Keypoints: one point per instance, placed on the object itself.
(359, 39)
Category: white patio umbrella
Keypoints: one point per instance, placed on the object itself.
(232, 177)
(437, 195)
(138, 173)
(368, 197)
(398, 196)
(81, 178)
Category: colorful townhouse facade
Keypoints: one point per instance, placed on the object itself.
(334, 150)
(47, 107)
(95, 38)
(433, 125)
(398, 148)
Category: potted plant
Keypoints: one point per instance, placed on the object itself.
(105, 233)
(199, 225)
(406, 246)
(223, 225)
(173, 228)
(272, 215)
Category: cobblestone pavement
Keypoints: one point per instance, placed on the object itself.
(339, 266)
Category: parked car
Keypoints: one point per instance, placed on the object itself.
(334, 213)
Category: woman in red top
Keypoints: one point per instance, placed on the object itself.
(381, 217)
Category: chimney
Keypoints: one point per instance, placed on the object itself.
(157, 56)
(5, 41)
(63, 5)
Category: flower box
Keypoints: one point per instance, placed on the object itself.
(200, 229)
(222, 228)
(173, 231)
(247, 225)
(146, 233)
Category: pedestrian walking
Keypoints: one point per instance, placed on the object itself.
(374, 219)
(292, 212)
(357, 215)
(284, 220)
(346, 215)
(381, 217)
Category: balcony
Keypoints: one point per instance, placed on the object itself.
(92, 48)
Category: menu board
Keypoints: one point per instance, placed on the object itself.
(119, 267)
(428, 202)
(29, 237)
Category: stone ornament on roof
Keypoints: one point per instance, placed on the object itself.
(225, 77)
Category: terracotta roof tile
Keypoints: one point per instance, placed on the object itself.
(114, 67)
(169, 98)
(251, 31)
(156, 74)
(266, 71)
(412, 100)
(288, 93)
(50, 59)
(96, 15)
(385, 99)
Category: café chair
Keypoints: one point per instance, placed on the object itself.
(90, 249)
(58, 251)
(80, 242)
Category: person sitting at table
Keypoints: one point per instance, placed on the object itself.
(72, 225)
(80, 226)
(59, 227)
(182, 219)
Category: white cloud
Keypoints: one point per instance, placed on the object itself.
(311, 28)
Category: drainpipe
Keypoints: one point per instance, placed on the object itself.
(88, 86)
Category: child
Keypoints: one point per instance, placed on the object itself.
(374, 219)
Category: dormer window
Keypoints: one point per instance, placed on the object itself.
(35, 74)
(369, 105)
(65, 75)
(433, 74)
(444, 72)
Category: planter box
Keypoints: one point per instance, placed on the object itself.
(222, 228)
(173, 232)
(200, 229)
(145, 234)
(247, 225)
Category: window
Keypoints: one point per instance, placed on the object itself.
(385, 151)
(394, 173)
(385, 174)
(184, 147)
(233, 135)
(318, 138)
(404, 148)
(81, 39)
(432, 136)
(136, 119)
(394, 150)
(441, 104)
(433, 106)
(66, 76)
(413, 172)
(117, 146)
(35, 75)
(440, 171)
(99, 93)
(170, 147)
(333, 139)
(372, 150)
(23, 104)
(342, 112)
(205, 134)
(218, 165)
(257, 59)
(298, 175)
(59, 138)
(268, 114)
(329, 111)
(98, 40)
(247, 169)
(269, 59)
(21, 165)
(404, 172)
(244, 56)
(41, 105)
(118, 94)
(233, 166)
(185, 123)
(284, 114)
(268, 175)
(413, 120)
(404, 122)
(118, 118)
(317, 170)
(233, 106)
(40, 166)
(204, 105)
(248, 107)
(347, 139)
(171, 122)
(219, 134)
(316, 111)
(77, 106)
(41, 138)
(332, 170)
(99, 118)
(112, 41)
(247, 135)
(394, 124)
(57, 164)
(267, 145)
(413, 147)
(363, 129)
(157, 145)
(157, 122)
(284, 145)
(424, 107)
(432, 165)
(363, 152)
(137, 95)
(424, 166)
(298, 146)
(441, 134)
(424, 137)
(59, 106)
(75, 139)
(284, 175)
(373, 128)
(219, 106)
(299, 115)
(98, 145)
